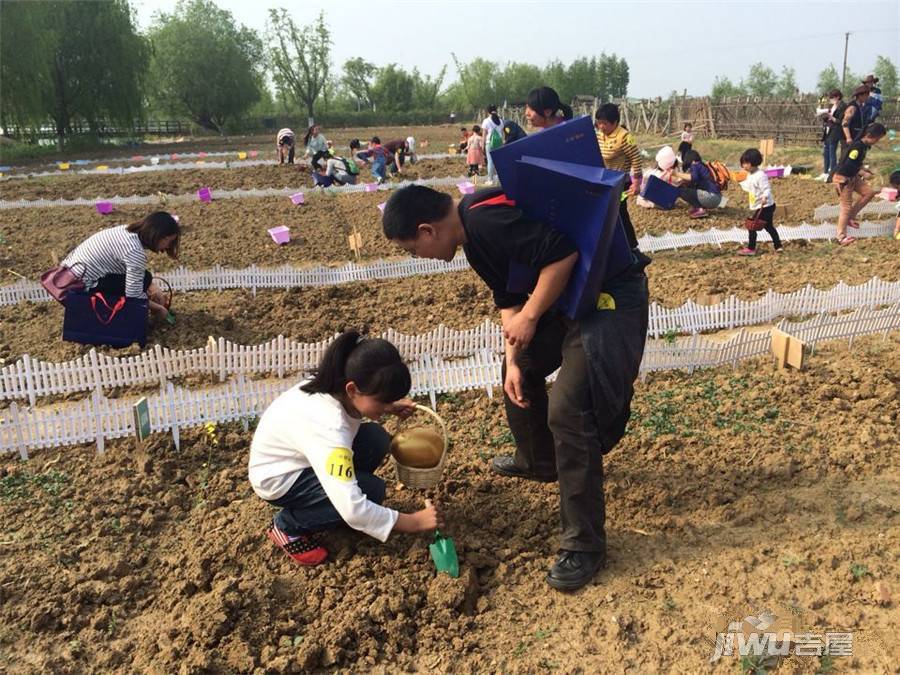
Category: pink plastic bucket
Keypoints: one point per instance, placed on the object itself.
(281, 234)
(204, 195)
(104, 208)
(371, 187)
(466, 187)
(297, 198)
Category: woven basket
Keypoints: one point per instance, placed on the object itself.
(423, 478)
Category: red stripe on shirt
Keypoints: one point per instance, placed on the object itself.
(499, 200)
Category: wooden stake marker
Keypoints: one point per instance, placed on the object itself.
(787, 349)
(355, 241)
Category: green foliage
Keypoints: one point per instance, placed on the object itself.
(725, 88)
(787, 83)
(393, 89)
(301, 58)
(483, 82)
(886, 72)
(204, 65)
(70, 62)
(22, 484)
(859, 571)
(828, 80)
(761, 80)
(358, 77)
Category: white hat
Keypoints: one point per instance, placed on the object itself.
(665, 158)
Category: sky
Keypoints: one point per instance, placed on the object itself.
(668, 45)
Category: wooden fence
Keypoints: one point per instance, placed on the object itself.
(786, 120)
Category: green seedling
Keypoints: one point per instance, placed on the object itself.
(170, 318)
(859, 571)
(443, 553)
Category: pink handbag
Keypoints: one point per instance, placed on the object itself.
(59, 281)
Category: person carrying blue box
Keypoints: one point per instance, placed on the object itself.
(562, 436)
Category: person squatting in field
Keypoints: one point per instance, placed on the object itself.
(314, 458)
(114, 261)
(563, 436)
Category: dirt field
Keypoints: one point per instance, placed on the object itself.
(733, 492)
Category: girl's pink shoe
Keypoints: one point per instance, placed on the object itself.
(697, 213)
(747, 251)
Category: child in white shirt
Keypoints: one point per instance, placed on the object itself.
(762, 203)
(314, 457)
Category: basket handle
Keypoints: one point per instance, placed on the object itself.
(440, 421)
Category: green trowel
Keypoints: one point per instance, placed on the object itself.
(443, 552)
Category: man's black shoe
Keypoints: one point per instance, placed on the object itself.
(505, 465)
(574, 569)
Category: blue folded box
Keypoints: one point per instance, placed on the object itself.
(557, 176)
(92, 319)
(660, 193)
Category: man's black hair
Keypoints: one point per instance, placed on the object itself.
(608, 112)
(409, 207)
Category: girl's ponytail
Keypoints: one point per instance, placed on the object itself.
(330, 376)
(372, 364)
(308, 135)
(566, 111)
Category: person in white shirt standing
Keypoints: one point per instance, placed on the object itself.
(492, 133)
(313, 456)
(762, 203)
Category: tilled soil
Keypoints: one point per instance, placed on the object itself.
(233, 233)
(181, 181)
(458, 299)
(734, 492)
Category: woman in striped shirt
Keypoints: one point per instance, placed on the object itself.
(114, 260)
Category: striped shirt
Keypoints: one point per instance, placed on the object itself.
(620, 151)
(111, 251)
(286, 135)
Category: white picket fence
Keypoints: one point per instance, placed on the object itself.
(30, 378)
(873, 209)
(287, 276)
(98, 419)
(239, 193)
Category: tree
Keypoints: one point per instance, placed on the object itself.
(302, 57)
(477, 81)
(88, 63)
(761, 81)
(426, 88)
(828, 80)
(515, 81)
(787, 83)
(886, 72)
(393, 89)
(25, 63)
(723, 87)
(358, 77)
(204, 65)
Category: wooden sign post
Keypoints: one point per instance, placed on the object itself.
(355, 241)
(787, 349)
(783, 212)
(141, 412)
(767, 147)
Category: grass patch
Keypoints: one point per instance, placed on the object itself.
(24, 484)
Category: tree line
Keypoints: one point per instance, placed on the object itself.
(762, 81)
(66, 62)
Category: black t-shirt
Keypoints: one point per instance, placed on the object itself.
(394, 146)
(852, 159)
(506, 248)
(834, 131)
